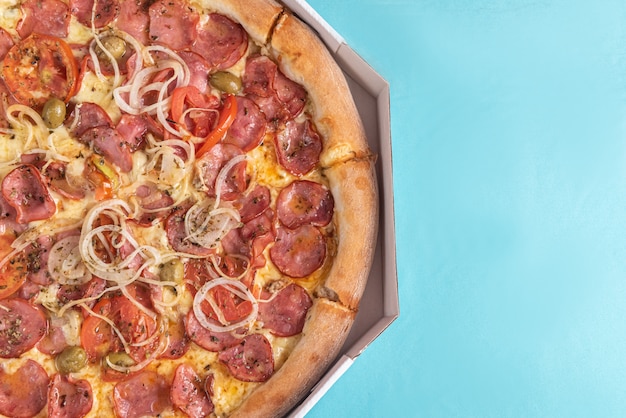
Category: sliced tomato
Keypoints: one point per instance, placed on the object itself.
(96, 335)
(13, 273)
(227, 117)
(199, 122)
(40, 67)
(136, 326)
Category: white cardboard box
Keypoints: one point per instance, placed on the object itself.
(380, 305)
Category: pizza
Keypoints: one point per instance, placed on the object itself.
(188, 208)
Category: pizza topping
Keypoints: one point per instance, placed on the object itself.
(146, 393)
(88, 115)
(108, 142)
(46, 17)
(226, 82)
(278, 97)
(21, 327)
(172, 24)
(303, 202)
(253, 203)
(175, 227)
(298, 147)
(222, 171)
(69, 397)
(188, 393)
(223, 308)
(24, 189)
(23, 393)
(298, 252)
(221, 41)
(99, 14)
(284, 312)
(133, 19)
(38, 68)
(207, 339)
(251, 360)
(248, 128)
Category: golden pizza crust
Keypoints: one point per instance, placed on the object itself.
(258, 17)
(304, 58)
(353, 185)
(327, 327)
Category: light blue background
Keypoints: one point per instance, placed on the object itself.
(509, 146)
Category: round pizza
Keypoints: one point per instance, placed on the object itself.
(188, 208)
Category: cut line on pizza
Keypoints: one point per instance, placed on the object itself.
(188, 208)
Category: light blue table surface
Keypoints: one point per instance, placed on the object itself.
(509, 136)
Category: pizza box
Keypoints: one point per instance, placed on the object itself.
(379, 305)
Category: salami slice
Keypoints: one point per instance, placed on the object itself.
(24, 189)
(221, 41)
(146, 393)
(68, 397)
(298, 147)
(176, 235)
(284, 314)
(304, 202)
(108, 142)
(209, 340)
(251, 360)
(172, 24)
(23, 393)
(210, 165)
(298, 252)
(249, 126)
(21, 327)
(188, 393)
(104, 13)
(46, 17)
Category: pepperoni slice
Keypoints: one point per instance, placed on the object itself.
(188, 393)
(54, 341)
(199, 70)
(298, 252)
(285, 313)
(146, 393)
(253, 203)
(279, 97)
(24, 189)
(304, 202)
(106, 11)
(69, 397)
(209, 340)
(108, 142)
(298, 147)
(38, 68)
(55, 173)
(151, 199)
(251, 360)
(23, 393)
(176, 235)
(221, 41)
(212, 162)
(90, 115)
(47, 17)
(21, 327)
(249, 126)
(177, 342)
(133, 18)
(172, 24)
